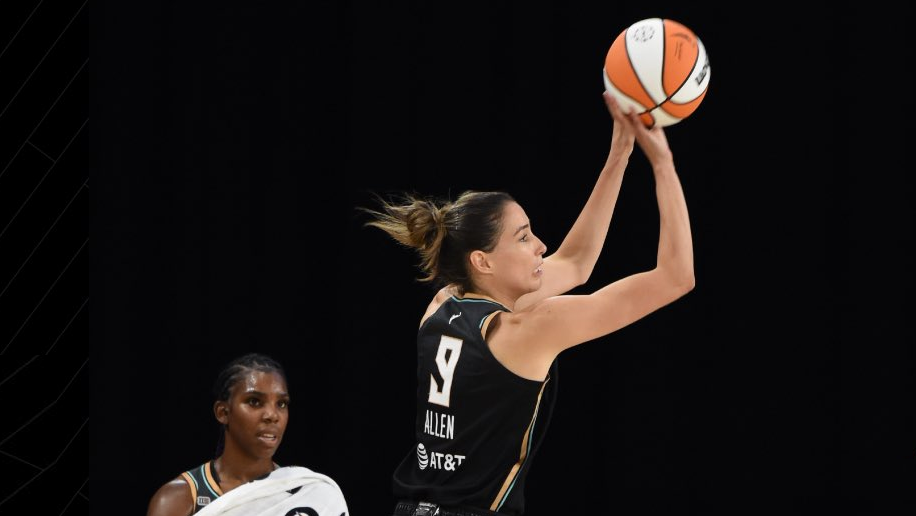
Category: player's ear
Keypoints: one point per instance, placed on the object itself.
(480, 262)
(221, 411)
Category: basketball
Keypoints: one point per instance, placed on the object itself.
(659, 68)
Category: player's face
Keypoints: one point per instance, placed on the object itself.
(519, 254)
(258, 411)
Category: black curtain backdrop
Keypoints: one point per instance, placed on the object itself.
(236, 140)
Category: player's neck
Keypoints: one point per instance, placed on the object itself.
(508, 303)
(236, 467)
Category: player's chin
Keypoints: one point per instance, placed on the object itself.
(536, 284)
(266, 453)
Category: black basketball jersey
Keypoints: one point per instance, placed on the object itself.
(478, 425)
(204, 483)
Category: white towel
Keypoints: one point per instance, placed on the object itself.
(318, 495)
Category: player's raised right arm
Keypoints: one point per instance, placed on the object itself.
(561, 322)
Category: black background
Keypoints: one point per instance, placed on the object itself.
(235, 140)
(46, 158)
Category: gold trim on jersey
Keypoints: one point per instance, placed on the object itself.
(486, 324)
(210, 480)
(510, 479)
(193, 485)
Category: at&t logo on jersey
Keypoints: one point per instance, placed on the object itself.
(422, 457)
(436, 460)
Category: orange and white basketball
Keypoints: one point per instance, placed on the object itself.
(658, 67)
